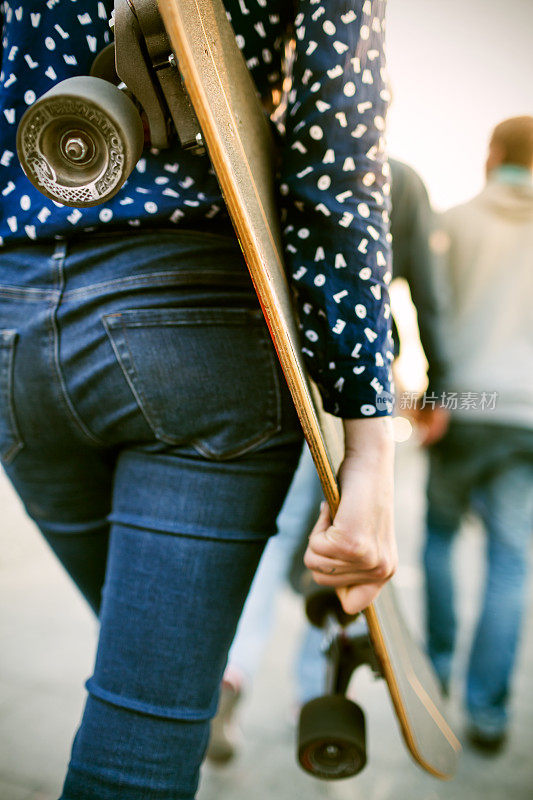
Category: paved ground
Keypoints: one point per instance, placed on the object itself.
(47, 642)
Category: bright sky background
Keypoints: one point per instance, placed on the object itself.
(457, 68)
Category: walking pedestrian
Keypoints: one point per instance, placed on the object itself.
(485, 459)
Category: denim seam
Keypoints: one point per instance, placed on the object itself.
(238, 451)
(54, 335)
(124, 369)
(30, 294)
(6, 377)
(273, 400)
(156, 323)
(154, 279)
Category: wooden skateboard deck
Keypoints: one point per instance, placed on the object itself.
(237, 137)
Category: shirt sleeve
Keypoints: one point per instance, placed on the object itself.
(335, 203)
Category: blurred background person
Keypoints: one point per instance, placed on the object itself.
(485, 459)
(412, 226)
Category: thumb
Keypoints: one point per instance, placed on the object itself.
(324, 520)
(356, 598)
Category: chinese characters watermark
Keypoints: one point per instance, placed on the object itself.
(451, 401)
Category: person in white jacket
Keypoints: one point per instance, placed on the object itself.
(485, 459)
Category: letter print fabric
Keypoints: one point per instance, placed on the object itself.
(336, 203)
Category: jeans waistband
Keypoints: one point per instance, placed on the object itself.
(160, 257)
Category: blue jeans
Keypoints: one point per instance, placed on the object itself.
(295, 521)
(489, 469)
(146, 426)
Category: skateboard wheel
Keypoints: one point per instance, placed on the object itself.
(103, 65)
(80, 141)
(331, 738)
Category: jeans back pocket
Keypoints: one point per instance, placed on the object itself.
(10, 440)
(205, 377)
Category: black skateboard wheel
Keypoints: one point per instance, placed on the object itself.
(331, 738)
(80, 141)
(104, 66)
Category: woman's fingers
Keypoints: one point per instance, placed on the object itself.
(356, 598)
(333, 572)
(362, 552)
(327, 566)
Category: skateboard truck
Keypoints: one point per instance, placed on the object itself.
(81, 140)
(148, 67)
(331, 733)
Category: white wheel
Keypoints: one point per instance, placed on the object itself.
(80, 141)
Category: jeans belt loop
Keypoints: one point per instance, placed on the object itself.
(60, 251)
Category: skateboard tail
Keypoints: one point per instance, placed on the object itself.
(444, 767)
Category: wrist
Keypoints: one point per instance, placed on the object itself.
(365, 436)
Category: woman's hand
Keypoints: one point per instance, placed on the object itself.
(356, 553)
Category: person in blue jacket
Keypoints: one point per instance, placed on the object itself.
(144, 421)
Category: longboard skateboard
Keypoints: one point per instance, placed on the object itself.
(78, 144)
(237, 137)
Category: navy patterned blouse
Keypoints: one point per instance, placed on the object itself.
(334, 186)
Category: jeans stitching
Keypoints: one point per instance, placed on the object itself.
(6, 386)
(155, 279)
(273, 401)
(29, 294)
(125, 362)
(55, 359)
